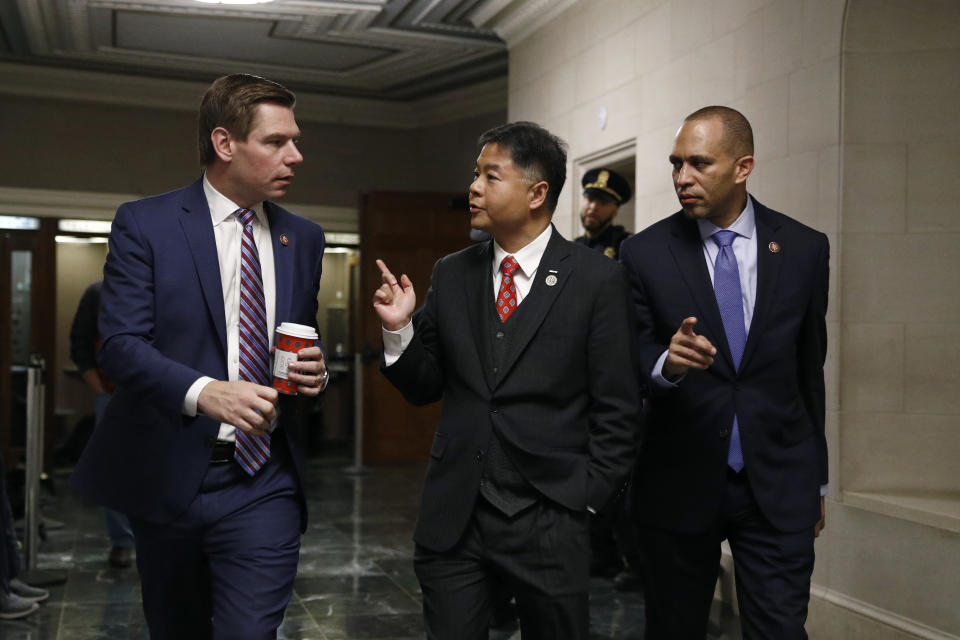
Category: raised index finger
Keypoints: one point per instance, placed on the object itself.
(388, 277)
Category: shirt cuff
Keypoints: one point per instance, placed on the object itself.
(396, 342)
(823, 489)
(657, 374)
(193, 394)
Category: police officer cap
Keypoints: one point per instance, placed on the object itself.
(604, 182)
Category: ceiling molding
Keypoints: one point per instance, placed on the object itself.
(381, 49)
(480, 98)
(515, 20)
(54, 203)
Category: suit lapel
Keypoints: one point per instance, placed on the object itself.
(538, 302)
(282, 262)
(198, 229)
(479, 294)
(687, 249)
(768, 271)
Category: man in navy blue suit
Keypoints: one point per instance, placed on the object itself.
(195, 446)
(731, 298)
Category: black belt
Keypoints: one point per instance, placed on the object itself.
(222, 451)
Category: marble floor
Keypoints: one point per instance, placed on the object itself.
(355, 579)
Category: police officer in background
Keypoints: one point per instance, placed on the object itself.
(604, 191)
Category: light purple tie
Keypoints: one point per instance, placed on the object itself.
(726, 286)
(252, 452)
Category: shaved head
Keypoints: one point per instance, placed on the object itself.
(737, 132)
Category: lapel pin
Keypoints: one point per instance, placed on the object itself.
(551, 280)
(284, 240)
(774, 247)
(609, 252)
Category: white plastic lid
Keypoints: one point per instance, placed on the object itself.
(295, 330)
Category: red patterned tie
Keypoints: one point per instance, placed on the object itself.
(252, 452)
(507, 298)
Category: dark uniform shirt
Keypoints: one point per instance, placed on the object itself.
(608, 241)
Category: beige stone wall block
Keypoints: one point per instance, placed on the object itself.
(901, 97)
(932, 375)
(591, 73)
(651, 35)
(907, 569)
(653, 168)
(788, 184)
(619, 58)
(766, 106)
(833, 299)
(874, 188)
(713, 73)
(871, 367)
(730, 15)
(933, 174)
(902, 25)
(900, 278)
(831, 367)
(665, 95)
(828, 192)
(560, 92)
(691, 23)
(814, 120)
(782, 38)
(833, 455)
(749, 54)
(822, 30)
(654, 208)
(898, 454)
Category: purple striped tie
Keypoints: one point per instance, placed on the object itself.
(252, 452)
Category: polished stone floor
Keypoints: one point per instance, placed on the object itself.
(355, 580)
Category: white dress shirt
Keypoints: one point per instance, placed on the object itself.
(228, 233)
(395, 342)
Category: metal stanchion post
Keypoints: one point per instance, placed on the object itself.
(36, 393)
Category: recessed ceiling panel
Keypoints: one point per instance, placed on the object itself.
(234, 39)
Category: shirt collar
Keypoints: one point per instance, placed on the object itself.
(745, 225)
(222, 207)
(528, 257)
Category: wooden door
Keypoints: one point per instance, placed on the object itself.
(410, 232)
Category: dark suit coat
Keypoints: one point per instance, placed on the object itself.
(565, 401)
(777, 393)
(163, 324)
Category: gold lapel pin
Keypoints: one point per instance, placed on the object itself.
(284, 240)
(774, 247)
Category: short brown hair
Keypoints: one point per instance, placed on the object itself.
(231, 102)
(737, 132)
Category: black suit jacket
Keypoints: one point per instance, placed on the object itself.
(777, 393)
(564, 403)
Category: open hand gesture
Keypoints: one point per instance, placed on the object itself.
(395, 300)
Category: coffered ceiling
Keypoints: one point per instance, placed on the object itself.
(386, 49)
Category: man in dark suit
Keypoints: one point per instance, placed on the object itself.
(526, 339)
(190, 446)
(731, 298)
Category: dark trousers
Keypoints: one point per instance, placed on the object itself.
(225, 568)
(772, 569)
(541, 556)
(9, 552)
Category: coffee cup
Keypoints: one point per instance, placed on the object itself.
(291, 338)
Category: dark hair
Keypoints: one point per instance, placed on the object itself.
(231, 102)
(737, 132)
(535, 151)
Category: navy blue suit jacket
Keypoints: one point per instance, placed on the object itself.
(163, 325)
(777, 393)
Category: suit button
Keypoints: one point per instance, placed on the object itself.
(496, 369)
(724, 432)
(493, 410)
(479, 456)
(499, 334)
